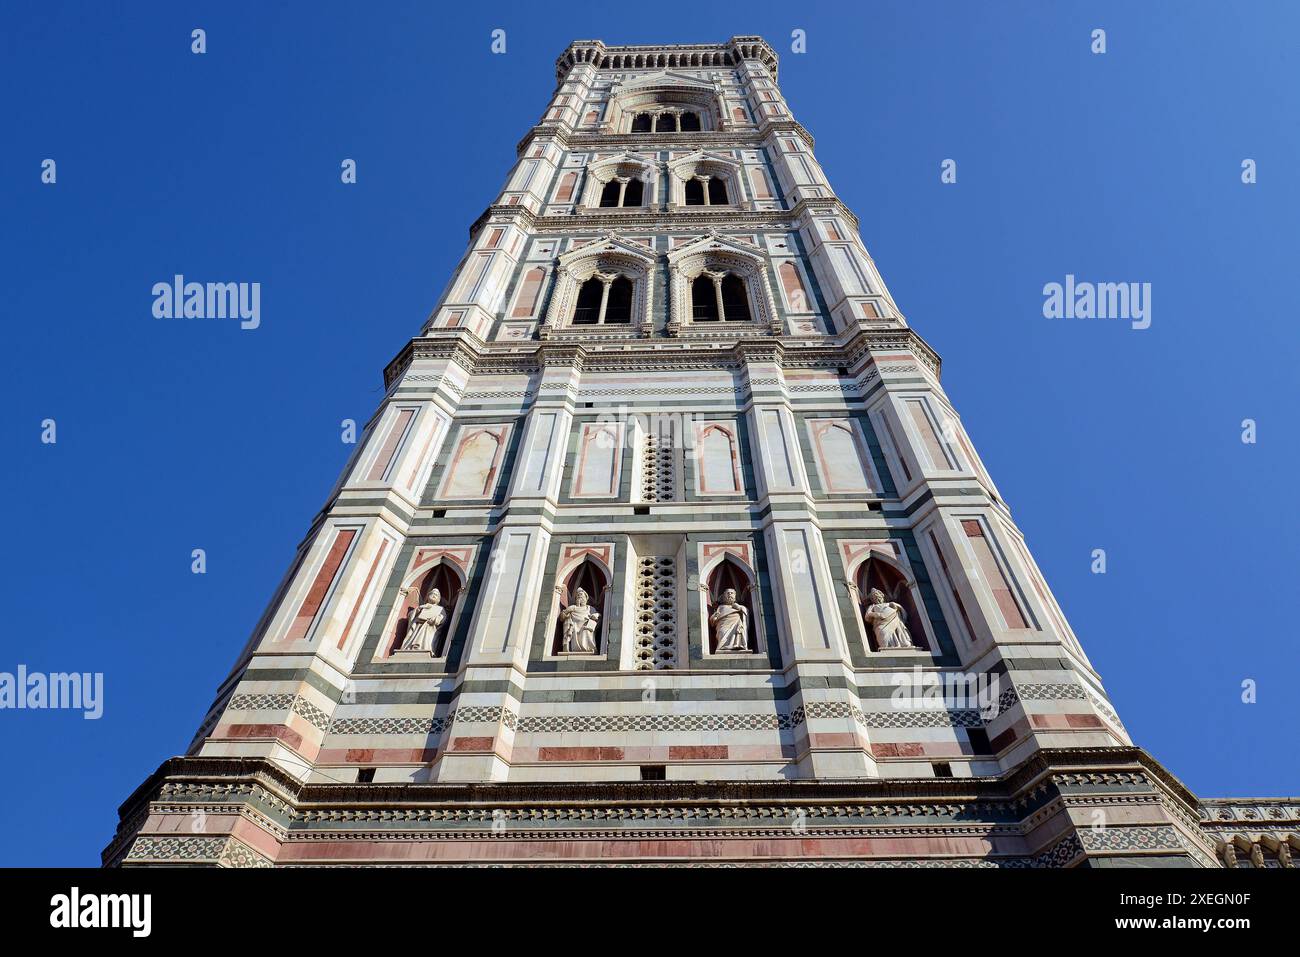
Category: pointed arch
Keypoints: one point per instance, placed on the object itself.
(591, 577)
(730, 574)
(449, 580)
(876, 572)
(587, 271)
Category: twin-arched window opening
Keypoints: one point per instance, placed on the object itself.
(706, 191)
(603, 300)
(719, 297)
(622, 191)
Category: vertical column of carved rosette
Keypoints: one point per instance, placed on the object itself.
(656, 614)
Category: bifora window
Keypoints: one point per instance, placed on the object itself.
(622, 191)
(604, 299)
(706, 191)
(717, 296)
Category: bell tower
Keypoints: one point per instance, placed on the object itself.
(665, 544)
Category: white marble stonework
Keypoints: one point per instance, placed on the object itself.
(709, 460)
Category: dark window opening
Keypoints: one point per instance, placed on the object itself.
(704, 300)
(632, 195)
(618, 308)
(694, 193)
(718, 192)
(690, 122)
(587, 312)
(666, 123)
(979, 740)
(641, 123)
(640, 509)
(942, 769)
(609, 195)
(653, 772)
(735, 302)
(365, 775)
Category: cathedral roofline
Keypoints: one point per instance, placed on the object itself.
(666, 55)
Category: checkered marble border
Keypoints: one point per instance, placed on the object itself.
(392, 725)
(618, 723)
(1159, 838)
(318, 718)
(261, 702)
(574, 723)
(281, 702)
(622, 723)
(221, 851)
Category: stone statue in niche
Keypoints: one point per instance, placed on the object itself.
(424, 623)
(579, 624)
(730, 620)
(887, 621)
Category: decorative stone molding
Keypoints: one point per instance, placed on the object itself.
(1007, 810)
(724, 254)
(610, 256)
(622, 166)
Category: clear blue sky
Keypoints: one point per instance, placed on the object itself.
(174, 436)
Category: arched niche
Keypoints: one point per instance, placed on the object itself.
(876, 572)
(449, 580)
(593, 578)
(731, 574)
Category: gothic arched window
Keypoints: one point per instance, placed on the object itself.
(735, 299)
(641, 123)
(704, 299)
(590, 296)
(694, 192)
(874, 573)
(603, 299)
(690, 122)
(622, 192)
(618, 306)
(666, 123)
(718, 191)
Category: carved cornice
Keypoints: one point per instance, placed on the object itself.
(666, 56)
(1012, 804)
(656, 354)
